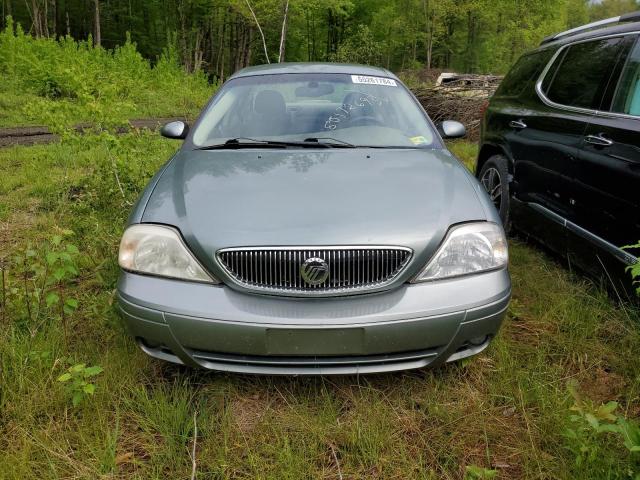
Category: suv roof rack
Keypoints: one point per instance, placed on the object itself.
(627, 17)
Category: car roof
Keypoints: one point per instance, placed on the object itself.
(620, 28)
(309, 67)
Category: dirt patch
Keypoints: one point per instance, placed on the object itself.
(27, 136)
(247, 411)
(12, 230)
(601, 385)
(524, 328)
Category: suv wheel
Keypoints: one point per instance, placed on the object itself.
(494, 177)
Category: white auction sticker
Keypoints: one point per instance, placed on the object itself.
(389, 82)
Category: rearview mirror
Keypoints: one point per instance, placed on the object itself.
(314, 89)
(452, 129)
(177, 130)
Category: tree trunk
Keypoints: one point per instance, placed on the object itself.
(35, 18)
(54, 18)
(6, 12)
(214, 29)
(220, 56)
(314, 54)
(222, 46)
(97, 40)
(45, 18)
(233, 44)
(329, 32)
(242, 44)
(197, 52)
(470, 54)
(283, 35)
(264, 42)
(306, 15)
(450, 32)
(247, 55)
(185, 55)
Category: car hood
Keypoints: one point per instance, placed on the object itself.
(235, 198)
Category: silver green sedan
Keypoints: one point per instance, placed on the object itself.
(313, 222)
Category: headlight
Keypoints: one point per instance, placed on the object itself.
(159, 250)
(468, 248)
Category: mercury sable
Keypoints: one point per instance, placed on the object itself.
(313, 222)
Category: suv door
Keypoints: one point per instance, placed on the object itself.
(608, 179)
(571, 89)
(544, 143)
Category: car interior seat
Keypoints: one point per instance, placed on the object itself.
(271, 116)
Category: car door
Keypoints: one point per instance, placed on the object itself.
(608, 179)
(546, 141)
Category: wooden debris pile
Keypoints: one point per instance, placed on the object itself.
(461, 97)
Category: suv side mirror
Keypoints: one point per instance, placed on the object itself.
(451, 129)
(177, 130)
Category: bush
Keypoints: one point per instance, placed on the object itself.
(62, 82)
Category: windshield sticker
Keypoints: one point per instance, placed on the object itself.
(419, 140)
(387, 82)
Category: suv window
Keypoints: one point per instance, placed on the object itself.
(627, 96)
(525, 69)
(580, 74)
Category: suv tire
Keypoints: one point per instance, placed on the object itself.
(494, 177)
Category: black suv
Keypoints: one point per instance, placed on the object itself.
(560, 146)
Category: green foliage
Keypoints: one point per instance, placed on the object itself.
(473, 472)
(220, 36)
(360, 47)
(634, 269)
(588, 435)
(64, 82)
(37, 281)
(118, 174)
(77, 381)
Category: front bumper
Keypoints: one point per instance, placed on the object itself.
(218, 328)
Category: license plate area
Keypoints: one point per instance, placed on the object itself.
(315, 341)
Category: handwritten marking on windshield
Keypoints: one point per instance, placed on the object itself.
(343, 112)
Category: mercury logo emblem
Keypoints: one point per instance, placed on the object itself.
(314, 271)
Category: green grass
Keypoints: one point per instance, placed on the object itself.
(507, 409)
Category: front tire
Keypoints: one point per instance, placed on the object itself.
(494, 177)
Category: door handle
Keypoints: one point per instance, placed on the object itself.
(517, 124)
(598, 140)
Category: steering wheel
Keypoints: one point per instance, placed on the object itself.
(365, 120)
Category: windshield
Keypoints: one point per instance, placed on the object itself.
(360, 110)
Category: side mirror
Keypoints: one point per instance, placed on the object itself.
(177, 130)
(452, 129)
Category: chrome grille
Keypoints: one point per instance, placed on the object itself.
(350, 269)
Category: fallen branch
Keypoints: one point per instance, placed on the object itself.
(335, 457)
(195, 443)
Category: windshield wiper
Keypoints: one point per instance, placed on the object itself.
(245, 142)
(242, 142)
(335, 143)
